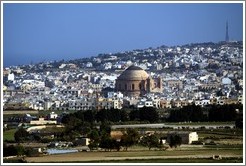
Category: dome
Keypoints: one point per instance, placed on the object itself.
(133, 73)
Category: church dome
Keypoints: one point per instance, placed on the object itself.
(133, 73)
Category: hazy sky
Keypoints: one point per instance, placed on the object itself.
(43, 32)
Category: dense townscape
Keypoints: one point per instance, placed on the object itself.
(206, 73)
(119, 101)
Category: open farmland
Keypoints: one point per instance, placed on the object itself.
(227, 143)
(134, 154)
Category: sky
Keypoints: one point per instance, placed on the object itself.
(37, 32)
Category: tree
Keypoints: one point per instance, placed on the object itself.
(13, 150)
(21, 135)
(124, 115)
(134, 115)
(129, 138)
(151, 141)
(106, 142)
(105, 128)
(71, 135)
(188, 113)
(71, 122)
(239, 123)
(113, 115)
(73, 127)
(9, 150)
(223, 112)
(148, 113)
(20, 150)
(175, 141)
(89, 116)
(84, 128)
(94, 139)
(102, 115)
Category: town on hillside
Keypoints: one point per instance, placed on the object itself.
(202, 74)
(188, 97)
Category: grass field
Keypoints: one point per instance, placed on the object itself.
(9, 135)
(224, 137)
(170, 160)
(19, 112)
(229, 150)
(166, 160)
(131, 155)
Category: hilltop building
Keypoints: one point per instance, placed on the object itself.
(134, 82)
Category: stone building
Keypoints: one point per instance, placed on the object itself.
(134, 82)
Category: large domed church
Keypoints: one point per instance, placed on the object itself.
(134, 81)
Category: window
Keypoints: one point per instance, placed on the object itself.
(133, 87)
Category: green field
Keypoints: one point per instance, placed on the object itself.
(170, 160)
(166, 160)
(9, 135)
(227, 142)
(20, 113)
(196, 155)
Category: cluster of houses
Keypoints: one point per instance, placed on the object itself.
(206, 73)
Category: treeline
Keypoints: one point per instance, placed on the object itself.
(99, 138)
(192, 113)
(85, 122)
(18, 150)
(212, 113)
(149, 114)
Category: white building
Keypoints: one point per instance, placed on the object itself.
(93, 103)
(37, 106)
(62, 66)
(89, 64)
(47, 105)
(71, 91)
(226, 81)
(11, 77)
(202, 102)
(115, 95)
(82, 104)
(34, 83)
(147, 103)
(42, 121)
(53, 115)
(108, 103)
